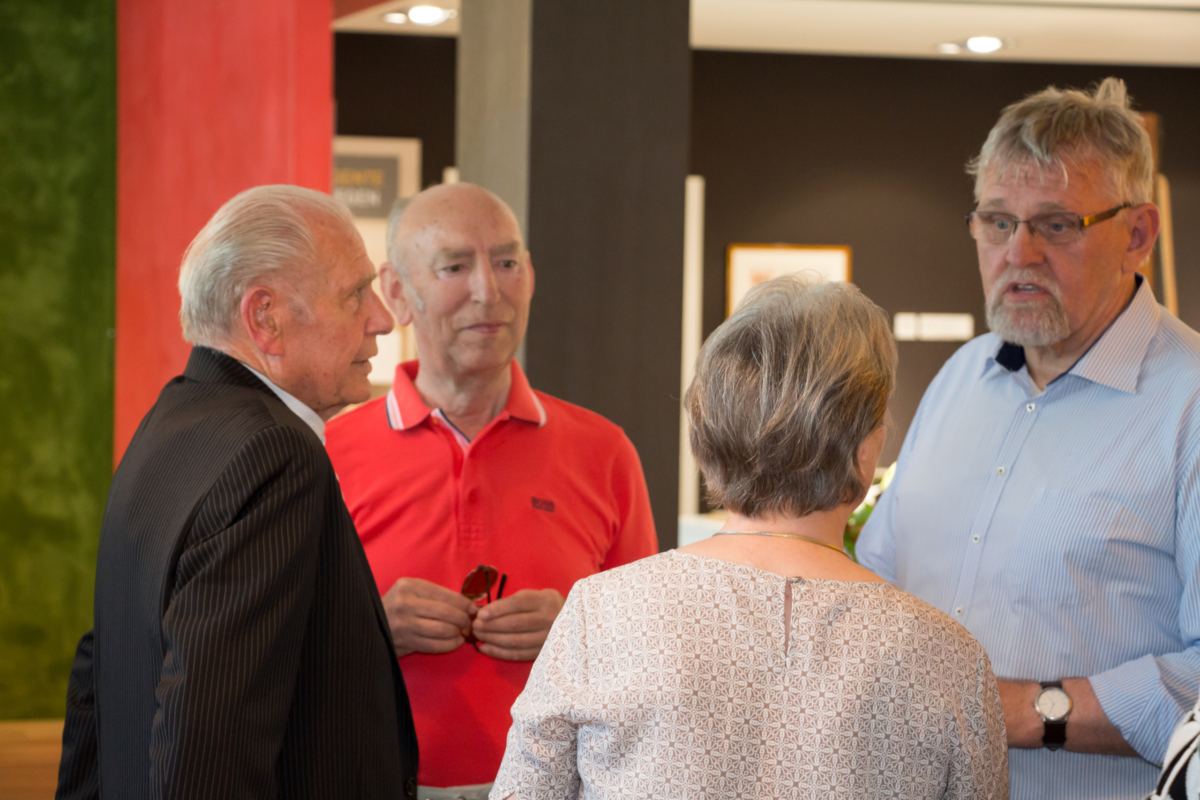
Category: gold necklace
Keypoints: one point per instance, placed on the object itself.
(808, 539)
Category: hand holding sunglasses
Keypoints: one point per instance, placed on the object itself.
(425, 617)
(515, 628)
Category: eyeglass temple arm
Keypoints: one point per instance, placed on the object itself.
(1103, 215)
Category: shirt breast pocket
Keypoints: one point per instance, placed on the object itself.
(1072, 547)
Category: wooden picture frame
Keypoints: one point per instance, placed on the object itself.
(750, 264)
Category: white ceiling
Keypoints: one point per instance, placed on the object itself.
(1155, 32)
(1078, 31)
(370, 20)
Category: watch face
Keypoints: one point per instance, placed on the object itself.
(1053, 704)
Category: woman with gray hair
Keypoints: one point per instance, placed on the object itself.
(763, 662)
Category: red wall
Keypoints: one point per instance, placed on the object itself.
(213, 97)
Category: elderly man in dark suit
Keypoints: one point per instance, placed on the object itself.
(240, 649)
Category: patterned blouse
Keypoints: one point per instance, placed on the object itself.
(674, 677)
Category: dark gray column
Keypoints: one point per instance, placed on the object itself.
(598, 129)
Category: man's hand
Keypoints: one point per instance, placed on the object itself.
(515, 628)
(1088, 727)
(425, 617)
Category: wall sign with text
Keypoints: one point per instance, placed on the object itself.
(368, 184)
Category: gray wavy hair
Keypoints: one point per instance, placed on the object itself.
(1055, 127)
(786, 390)
(260, 232)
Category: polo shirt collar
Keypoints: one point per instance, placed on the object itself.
(1115, 360)
(522, 402)
(406, 409)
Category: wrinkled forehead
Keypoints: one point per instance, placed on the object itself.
(1066, 174)
(480, 228)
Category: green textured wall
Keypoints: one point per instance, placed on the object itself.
(57, 282)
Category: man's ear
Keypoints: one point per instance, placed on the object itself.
(394, 294)
(1142, 234)
(260, 313)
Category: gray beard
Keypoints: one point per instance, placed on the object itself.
(1028, 327)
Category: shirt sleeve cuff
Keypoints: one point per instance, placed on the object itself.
(1136, 702)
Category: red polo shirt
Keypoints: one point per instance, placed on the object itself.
(548, 493)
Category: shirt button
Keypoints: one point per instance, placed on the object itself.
(975, 538)
(1030, 407)
(999, 470)
(958, 611)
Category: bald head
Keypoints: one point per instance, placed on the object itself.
(441, 207)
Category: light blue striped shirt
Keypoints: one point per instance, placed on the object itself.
(1062, 529)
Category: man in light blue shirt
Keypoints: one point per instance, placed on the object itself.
(1047, 491)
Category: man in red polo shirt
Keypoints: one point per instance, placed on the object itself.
(463, 464)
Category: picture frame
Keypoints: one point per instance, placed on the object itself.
(748, 265)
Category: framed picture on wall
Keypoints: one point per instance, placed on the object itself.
(748, 265)
(370, 173)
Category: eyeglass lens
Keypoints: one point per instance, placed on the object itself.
(1057, 228)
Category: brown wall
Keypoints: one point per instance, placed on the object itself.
(386, 85)
(608, 159)
(867, 152)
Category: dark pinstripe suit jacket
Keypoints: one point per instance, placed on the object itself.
(240, 648)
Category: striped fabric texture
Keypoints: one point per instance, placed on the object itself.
(240, 648)
(1062, 529)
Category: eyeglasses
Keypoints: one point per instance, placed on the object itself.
(477, 586)
(1056, 228)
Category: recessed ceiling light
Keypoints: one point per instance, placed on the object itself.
(395, 17)
(430, 15)
(949, 48)
(984, 44)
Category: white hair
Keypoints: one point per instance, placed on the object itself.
(260, 232)
(1059, 126)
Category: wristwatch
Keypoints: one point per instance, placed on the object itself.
(1053, 704)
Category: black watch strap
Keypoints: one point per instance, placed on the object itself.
(1054, 735)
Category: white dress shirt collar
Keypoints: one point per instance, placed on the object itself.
(306, 414)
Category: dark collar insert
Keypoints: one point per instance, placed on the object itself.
(1011, 356)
